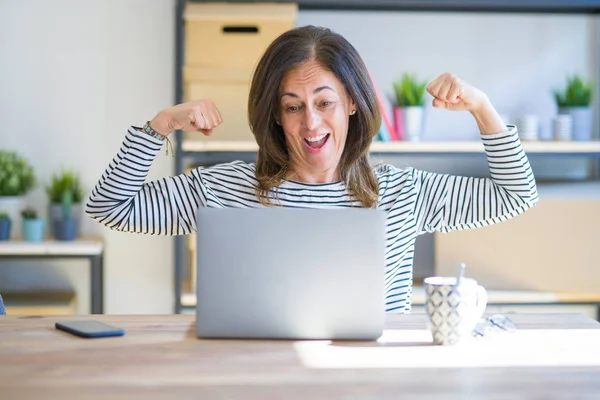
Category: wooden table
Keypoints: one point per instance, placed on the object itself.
(91, 249)
(551, 356)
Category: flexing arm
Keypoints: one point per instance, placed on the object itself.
(446, 202)
(123, 201)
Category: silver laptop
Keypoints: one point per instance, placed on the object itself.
(283, 273)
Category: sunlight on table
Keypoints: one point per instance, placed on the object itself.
(415, 349)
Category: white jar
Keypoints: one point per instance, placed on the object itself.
(529, 127)
(563, 127)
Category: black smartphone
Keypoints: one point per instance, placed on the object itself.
(89, 329)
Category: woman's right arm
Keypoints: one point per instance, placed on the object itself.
(123, 201)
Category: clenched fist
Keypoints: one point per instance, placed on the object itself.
(199, 115)
(452, 93)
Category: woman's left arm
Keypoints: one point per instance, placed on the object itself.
(446, 202)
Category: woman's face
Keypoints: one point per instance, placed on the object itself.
(314, 111)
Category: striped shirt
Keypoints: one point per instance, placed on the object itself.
(415, 201)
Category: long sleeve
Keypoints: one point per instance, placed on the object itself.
(446, 202)
(123, 201)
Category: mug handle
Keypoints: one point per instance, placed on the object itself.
(482, 299)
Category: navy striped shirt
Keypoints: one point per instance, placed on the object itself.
(415, 201)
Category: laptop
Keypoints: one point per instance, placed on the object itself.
(285, 273)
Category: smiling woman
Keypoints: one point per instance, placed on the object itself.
(317, 123)
(314, 114)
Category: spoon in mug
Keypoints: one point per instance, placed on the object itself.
(461, 273)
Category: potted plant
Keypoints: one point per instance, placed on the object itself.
(33, 227)
(16, 179)
(409, 106)
(4, 226)
(576, 101)
(65, 228)
(65, 196)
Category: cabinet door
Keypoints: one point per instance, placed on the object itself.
(231, 99)
(558, 234)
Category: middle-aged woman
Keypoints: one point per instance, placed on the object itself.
(314, 114)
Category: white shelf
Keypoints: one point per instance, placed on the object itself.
(411, 147)
(220, 146)
(477, 147)
(494, 297)
(523, 297)
(589, 190)
(80, 247)
(188, 300)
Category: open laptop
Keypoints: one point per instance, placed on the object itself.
(284, 273)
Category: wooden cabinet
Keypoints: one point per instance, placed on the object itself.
(233, 34)
(223, 43)
(552, 247)
(230, 94)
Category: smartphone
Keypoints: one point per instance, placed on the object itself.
(89, 329)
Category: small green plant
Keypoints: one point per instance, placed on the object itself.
(3, 216)
(16, 174)
(409, 91)
(29, 213)
(65, 185)
(67, 203)
(577, 93)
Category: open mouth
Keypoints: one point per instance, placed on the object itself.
(317, 142)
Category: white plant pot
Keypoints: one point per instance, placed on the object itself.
(583, 119)
(13, 205)
(413, 122)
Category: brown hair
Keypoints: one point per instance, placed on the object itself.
(337, 55)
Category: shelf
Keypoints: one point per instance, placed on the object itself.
(188, 300)
(495, 297)
(238, 146)
(569, 190)
(79, 247)
(523, 297)
(475, 148)
(541, 147)
(537, 6)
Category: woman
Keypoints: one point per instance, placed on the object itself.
(313, 113)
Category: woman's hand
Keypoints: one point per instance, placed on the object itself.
(199, 115)
(454, 94)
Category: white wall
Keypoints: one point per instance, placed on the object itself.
(517, 59)
(73, 75)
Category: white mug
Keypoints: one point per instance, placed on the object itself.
(453, 310)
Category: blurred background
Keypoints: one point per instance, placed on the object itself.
(74, 75)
